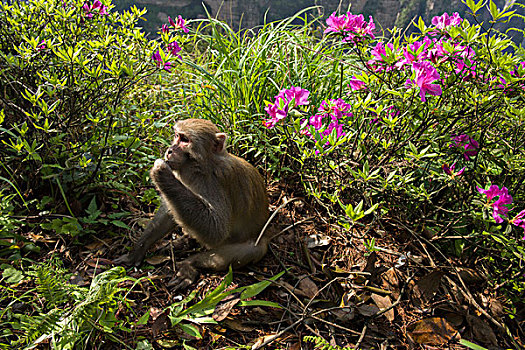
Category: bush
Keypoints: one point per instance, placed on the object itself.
(430, 121)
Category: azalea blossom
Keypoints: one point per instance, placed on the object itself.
(335, 109)
(500, 205)
(519, 221)
(450, 170)
(160, 63)
(95, 7)
(42, 45)
(444, 21)
(353, 26)
(356, 84)
(409, 53)
(174, 49)
(179, 23)
(425, 74)
(283, 103)
(467, 143)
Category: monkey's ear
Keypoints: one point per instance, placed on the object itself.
(220, 142)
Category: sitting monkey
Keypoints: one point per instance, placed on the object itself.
(217, 198)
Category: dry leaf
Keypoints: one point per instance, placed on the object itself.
(344, 315)
(237, 325)
(384, 302)
(496, 308)
(367, 310)
(432, 331)
(157, 259)
(161, 323)
(470, 276)
(426, 287)
(317, 240)
(481, 331)
(223, 308)
(308, 287)
(99, 262)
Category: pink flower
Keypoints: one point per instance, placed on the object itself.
(354, 26)
(95, 7)
(519, 221)
(450, 170)
(410, 54)
(174, 49)
(335, 109)
(41, 46)
(295, 92)
(425, 75)
(165, 28)
(356, 84)
(160, 63)
(284, 98)
(179, 23)
(444, 21)
(500, 205)
(467, 143)
(336, 24)
(379, 53)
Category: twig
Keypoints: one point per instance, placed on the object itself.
(271, 218)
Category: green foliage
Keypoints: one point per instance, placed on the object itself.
(71, 104)
(320, 343)
(235, 72)
(390, 163)
(199, 313)
(64, 314)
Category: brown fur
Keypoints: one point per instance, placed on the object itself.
(218, 199)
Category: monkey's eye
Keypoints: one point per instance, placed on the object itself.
(183, 138)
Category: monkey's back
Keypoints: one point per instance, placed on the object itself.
(249, 200)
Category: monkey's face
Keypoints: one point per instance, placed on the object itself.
(178, 153)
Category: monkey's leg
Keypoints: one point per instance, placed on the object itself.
(218, 259)
(161, 224)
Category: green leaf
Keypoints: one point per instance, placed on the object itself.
(143, 319)
(256, 288)
(191, 330)
(12, 275)
(471, 345)
(258, 303)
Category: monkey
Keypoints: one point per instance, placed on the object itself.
(218, 199)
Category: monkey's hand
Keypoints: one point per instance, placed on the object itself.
(130, 259)
(160, 168)
(186, 275)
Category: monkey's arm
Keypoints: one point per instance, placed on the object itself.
(204, 220)
(161, 224)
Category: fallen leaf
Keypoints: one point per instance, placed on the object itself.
(308, 287)
(95, 245)
(157, 259)
(223, 308)
(481, 330)
(237, 325)
(317, 240)
(161, 323)
(384, 302)
(470, 276)
(496, 308)
(367, 310)
(259, 341)
(426, 287)
(99, 262)
(432, 331)
(39, 238)
(344, 315)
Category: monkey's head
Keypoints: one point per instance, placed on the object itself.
(196, 141)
